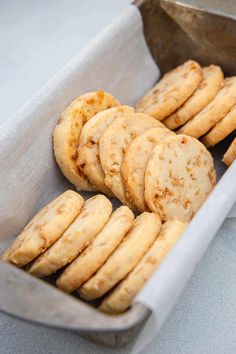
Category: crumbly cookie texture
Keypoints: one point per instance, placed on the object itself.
(222, 129)
(213, 81)
(113, 145)
(230, 154)
(88, 151)
(171, 91)
(95, 255)
(213, 112)
(67, 132)
(94, 215)
(141, 236)
(44, 229)
(135, 162)
(122, 296)
(180, 175)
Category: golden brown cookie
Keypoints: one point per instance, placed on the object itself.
(221, 130)
(67, 132)
(113, 145)
(230, 154)
(135, 162)
(213, 81)
(180, 175)
(44, 229)
(88, 150)
(171, 91)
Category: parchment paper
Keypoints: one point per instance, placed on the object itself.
(119, 62)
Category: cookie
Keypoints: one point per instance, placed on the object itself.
(135, 162)
(213, 112)
(141, 236)
(179, 176)
(113, 145)
(44, 229)
(122, 296)
(222, 129)
(230, 154)
(93, 257)
(171, 91)
(67, 132)
(93, 217)
(213, 81)
(88, 153)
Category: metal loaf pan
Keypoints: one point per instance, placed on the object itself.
(174, 31)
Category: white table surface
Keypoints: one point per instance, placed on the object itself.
(37, 38)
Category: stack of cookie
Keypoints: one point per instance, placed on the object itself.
(198, 102)
(101, 145)
(96, 248)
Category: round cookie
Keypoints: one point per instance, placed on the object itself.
(171, 91)
(230, 154)
(222, 129)
(67, 132)
(94, 215)
(179, 176)
(213, 81)
(122, 296)
(88, 151)
(141, 236)
(113, 145)
(213, 112)
(44, 229)
(135, 162)
(93, 257)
